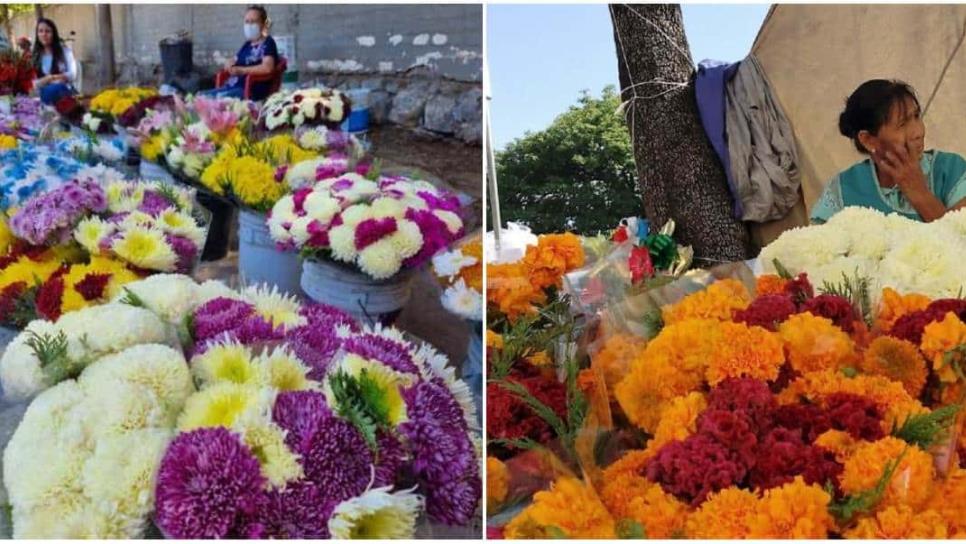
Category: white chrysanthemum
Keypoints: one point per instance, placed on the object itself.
(267, 443)
(121, 474)
(175, 156)
(836, 271)
(91, 231)
(463, 301)
(57, 520)
(283, 210)
(108, 151)
(171, 296)
(955, 220)
(407, 240)
(353, 215)
(448, 264)
(213, 289)
(387, 207)
(115, 407)
(866, 230)
(158, 368)
(315, 139)
(275, 306)
(279, 233)
(94, 522)
(931, 265)
(38, 473)
(803, 248)
(136, 219)
(182, 224)
(380, 260)
(342, 241)
(20, 370)
(194, 165)
(302, 174)
(300, 230)
(377, 514)
(229, 362)
(452, 221)
(97, 330)
(321, 206)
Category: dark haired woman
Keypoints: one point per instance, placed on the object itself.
(53, 62)
(883, 120)
(257, 56)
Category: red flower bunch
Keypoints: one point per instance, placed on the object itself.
(911, 326)
(693, 468)
(833, 307)
(783, 455)
(746, 395)
(509, 418)
(767, 311)
(858, 416)
(809, 419)
(16, 73)
(800, 289)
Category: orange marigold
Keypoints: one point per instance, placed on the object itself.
(746, 352)
(912, 481)
(570, 507)
(770, 284)
(539, 359)
(509, 289)
(552, 257)
(815, 343)
(494, 340)
(900, 522)
(794, 510)
(623, 480)
(497, 482)
(893, 306)
(678, 420)
(898, 360)
(661, 514)
(473, 275)
(938, 338)
(718, 301)
(727, 514)
(614, 359)
(950, 501)
(840, 443)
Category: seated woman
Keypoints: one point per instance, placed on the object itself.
(54, 64)
(882, 118)
(257, 56)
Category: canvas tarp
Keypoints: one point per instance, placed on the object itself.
(815, 55)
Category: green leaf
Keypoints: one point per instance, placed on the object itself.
(864, 502)
(517, 443)
(51, 350)
(361, 401)
(850, 372)
(170, 194)
(132, 299)
(629, 529)
(927, 430)
(555, 532)
(856, 289)
(783, 272)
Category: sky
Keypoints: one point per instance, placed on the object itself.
(542, 56)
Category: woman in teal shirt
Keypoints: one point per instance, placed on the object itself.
(883, 120)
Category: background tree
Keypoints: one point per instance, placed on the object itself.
(577, 174)
(680, 176)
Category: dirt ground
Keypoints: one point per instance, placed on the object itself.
(452, 164)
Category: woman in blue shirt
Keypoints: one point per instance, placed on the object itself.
(257, 56)
(54, 64)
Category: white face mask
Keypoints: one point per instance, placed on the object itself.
(252, 31)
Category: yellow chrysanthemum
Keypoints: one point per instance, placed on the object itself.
(274, 306)
(912, 481)
(661, 514)
(284, 372)
(897, 360)
(552, 257)
(815, 343)
(493, 340)
(623, 481)
(91, 232)
(146, 248)
(893, 306)
(119, 273)
(279, 464)
(253, 182)
(900, 522)
(746, 352)
(614, 359)
(719, 301)
(509, 290)
(219, 405)
(215, 175)
(7, 141)
(940, 337)
(389, 381)
(727, 514)
(28, 271)
(839, 443)
(497, 483)
(794, 510)
(569, 507)
(153, 147)
(225, 363)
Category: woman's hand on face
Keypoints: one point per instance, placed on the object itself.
(897, 163)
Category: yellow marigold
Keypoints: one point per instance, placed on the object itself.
(794, 510)
(253, 182)
(473, 275)
(949, 500)
(815, 343)
(497, 482)
(539, 359)
(891, 396)
(770, 284)
(840, 443)
(493, 340)
(897, 360)
(900, 522)
(661, 514)
(552, 257)
(718, 301)
(893, 306)
(938, 338)
(671, 365)
(7, 141)
(614, 359)
(570, 507)
(746, 352)
(678, 420)
(623, 481)
(912, 482)
(509, 290)
(727, 514)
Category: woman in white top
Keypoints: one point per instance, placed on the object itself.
(54, 63)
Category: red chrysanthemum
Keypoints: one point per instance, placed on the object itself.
(833, 307)
(767, 311)
(856, 415)
(92, 286)
(694, 468)
(800, 289)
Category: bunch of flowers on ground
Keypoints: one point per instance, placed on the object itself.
(33, 168)
(291, 110)
(16, 73)
(23, 117)
(380, 226)
(200, 129)
(115, 102)
(792, 414)
(289, 421)
(460, 271)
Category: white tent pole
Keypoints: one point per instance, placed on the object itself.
(494, 196)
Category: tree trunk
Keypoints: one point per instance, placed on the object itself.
(680, 176)
(105, 38)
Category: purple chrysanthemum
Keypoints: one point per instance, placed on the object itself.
(50, 218)
(385, 350)
(220, 315)
(342, 184)
(442, 201)
(315, 346)
(300, 413)
(371, 231)
(185, 249)
(154, 203)
(207, 478)
(444, 458)
(300, 510)
(329, 317)
(436, 236)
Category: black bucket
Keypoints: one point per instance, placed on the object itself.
(219, 233)
(176, 59)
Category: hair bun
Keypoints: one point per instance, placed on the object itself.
(846, 127)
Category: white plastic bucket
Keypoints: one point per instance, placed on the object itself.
(259, 261)
(152, 171)
(365, 298)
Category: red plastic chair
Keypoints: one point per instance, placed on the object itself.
(274, 79)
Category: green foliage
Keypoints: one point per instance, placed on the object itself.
(863, 502)
(51, 350)
(528, 335)
(926, 430)
(361, 402)
(24, 308)
(170, 194)
(629, 529)
(131, 299)
(857, 290)
(783, 272)
(577, 174)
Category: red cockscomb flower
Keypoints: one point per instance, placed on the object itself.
(833, 307)
(767, 311)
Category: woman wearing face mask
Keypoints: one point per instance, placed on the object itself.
(53, 62)
(258, 56)
(883, 120)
